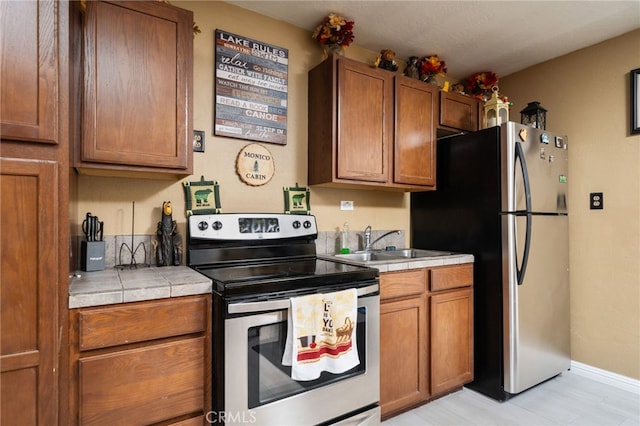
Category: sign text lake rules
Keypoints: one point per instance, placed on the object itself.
(251, 89)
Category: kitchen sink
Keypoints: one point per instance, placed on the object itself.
(416, 253)
(368, 256)
(391, 255)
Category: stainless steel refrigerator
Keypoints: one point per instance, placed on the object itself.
(502, 196)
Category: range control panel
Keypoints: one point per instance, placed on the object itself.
(251, 226)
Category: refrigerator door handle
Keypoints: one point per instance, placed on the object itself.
(527, 193)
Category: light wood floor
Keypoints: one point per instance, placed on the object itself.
(568, 399)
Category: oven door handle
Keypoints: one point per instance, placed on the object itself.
(272, 305)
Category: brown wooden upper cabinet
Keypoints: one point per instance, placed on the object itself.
(370, 128)
(29, 77)
(138, 83)
(459, 112)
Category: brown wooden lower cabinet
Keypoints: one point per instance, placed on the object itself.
(142, 363)
(404, 380)
(426, 335)
(451, 340)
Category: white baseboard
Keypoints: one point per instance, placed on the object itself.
(622, 382)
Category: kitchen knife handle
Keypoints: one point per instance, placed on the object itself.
(91, 229)
(96, 228)
(86, 226)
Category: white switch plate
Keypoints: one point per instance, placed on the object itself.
(346, 205)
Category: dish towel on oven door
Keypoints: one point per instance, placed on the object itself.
(321, 334)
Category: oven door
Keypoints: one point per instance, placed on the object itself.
(259, 388)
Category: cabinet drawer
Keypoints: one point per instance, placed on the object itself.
(400, 284)
(194, 421)
(451, 277)
(129, 323)
(143, 385)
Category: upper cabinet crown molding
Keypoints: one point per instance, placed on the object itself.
(138, 88)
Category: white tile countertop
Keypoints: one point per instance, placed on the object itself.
(115, 285)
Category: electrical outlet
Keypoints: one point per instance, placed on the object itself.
(596, 201)
(198, 140)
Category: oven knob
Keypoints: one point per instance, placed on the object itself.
(217, 225)
(203, 225)
(296, 224)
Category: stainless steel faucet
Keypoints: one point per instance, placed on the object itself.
(368, 244)
(367, 237)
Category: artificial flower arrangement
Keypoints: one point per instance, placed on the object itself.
(480, 84)
(430, 66)
(335, 30)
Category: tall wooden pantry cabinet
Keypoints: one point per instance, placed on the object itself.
(34, 147)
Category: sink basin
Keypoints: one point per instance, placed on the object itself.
(416, 253)
(360, 257)
(391, 255)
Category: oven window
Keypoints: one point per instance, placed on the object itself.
(271, 381)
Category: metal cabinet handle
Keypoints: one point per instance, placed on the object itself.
(272, 305)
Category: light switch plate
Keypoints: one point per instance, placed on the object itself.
(346, 205)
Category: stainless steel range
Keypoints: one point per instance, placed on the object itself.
(258, 262)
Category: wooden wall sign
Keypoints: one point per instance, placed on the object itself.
(251, 89)
(255, 165)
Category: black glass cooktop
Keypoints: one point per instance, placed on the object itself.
(298, 275)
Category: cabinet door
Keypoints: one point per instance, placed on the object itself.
(415, 140)
(403, 355)
(459, 111)
(137, 85)
(28, 283)
(29, 70)
(451, 340)
(364, 114)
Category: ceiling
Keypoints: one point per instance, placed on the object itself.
(470, 36)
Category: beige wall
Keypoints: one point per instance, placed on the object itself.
(587, 95)
(579, 90)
